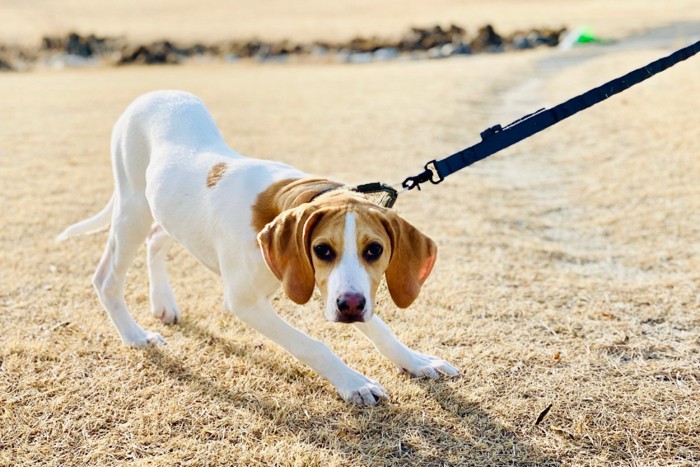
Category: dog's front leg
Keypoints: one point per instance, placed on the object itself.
(408, 360)
(352, 386)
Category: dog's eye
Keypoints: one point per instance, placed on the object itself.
(324, 252)
(373, 252)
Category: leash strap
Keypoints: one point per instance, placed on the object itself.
(496, 138)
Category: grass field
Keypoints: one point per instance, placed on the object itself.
(568, 273)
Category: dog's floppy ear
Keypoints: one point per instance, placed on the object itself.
(413, 256)
(285, 246)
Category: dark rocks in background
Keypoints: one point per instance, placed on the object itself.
(535, 38)
(5, 60)
(386, 53)
(263, 51)
(160, 52)
(431, 42)
(163, 53)
(248, 49)
(487, 39)
(15, 58)
(286, 48)
(429, 38)
(82, 46)
(434, 42)
(365, 45)
(5, 65)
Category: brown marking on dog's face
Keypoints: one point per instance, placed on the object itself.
(370, 235)
(372, 250)
(329, 233)
(216, 173)
(290, 247)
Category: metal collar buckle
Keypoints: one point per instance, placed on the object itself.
(390, 194)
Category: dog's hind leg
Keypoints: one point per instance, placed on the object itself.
(131, 221)
(163, 304)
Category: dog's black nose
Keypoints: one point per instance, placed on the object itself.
(350, 306)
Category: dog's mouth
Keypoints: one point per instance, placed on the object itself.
(341, 318)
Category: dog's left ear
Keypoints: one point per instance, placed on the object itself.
(413, 256)
(285, 246)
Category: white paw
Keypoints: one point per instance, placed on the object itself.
(362, 391)
(165, 309)
(168, 315)
(427, 366)
(144, 339)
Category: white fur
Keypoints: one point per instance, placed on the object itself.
(163, 147)
(349, 276)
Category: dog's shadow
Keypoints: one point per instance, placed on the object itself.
(388, 434)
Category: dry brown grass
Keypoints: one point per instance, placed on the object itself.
(568, 274)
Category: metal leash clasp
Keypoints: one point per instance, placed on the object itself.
(430, 174)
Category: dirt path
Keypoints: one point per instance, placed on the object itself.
(538, 174)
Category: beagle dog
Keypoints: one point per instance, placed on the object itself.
(256, 223)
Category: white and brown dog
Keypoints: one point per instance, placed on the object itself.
(256, 223)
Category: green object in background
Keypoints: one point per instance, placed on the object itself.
(586, 36)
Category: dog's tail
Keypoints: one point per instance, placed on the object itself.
(94, 224)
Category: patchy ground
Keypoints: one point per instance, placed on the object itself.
(568, 273)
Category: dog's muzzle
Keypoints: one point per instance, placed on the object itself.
(351, 308)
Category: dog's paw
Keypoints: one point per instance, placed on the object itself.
(168, 314)
(362, 391)
(427, 366)
(164, 307)
(144, 339)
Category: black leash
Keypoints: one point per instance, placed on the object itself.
(496, 138)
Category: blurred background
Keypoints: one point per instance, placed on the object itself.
(25, 22)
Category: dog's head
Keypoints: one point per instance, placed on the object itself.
(344, 246)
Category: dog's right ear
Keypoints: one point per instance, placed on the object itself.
(412, 259)
(285, 245)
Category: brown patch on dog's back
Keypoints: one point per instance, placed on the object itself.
(287, 194)
(216, 173)
(266, 205)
